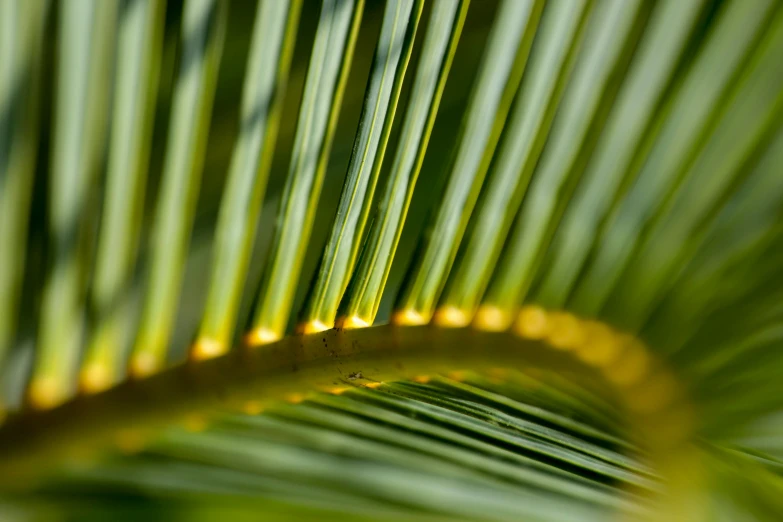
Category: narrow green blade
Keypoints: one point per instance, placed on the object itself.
(610, 38)
(86, 43)
(690, 115)
(363, 296)
(651, 72)
(21, 34)
(265, 83)
(498, 78)
(547, 72)
(139, 44)
(751, 119)
(401, 19)
(326, 76)
(202, 39)
(740, 236)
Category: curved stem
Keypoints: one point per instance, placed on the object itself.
(31, 440)
(611, 364)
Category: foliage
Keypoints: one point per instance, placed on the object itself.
(563, 301)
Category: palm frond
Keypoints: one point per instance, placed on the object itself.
(564, 303)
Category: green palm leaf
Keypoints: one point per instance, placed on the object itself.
(564, 303)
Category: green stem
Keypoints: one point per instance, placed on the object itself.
(32, 442)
